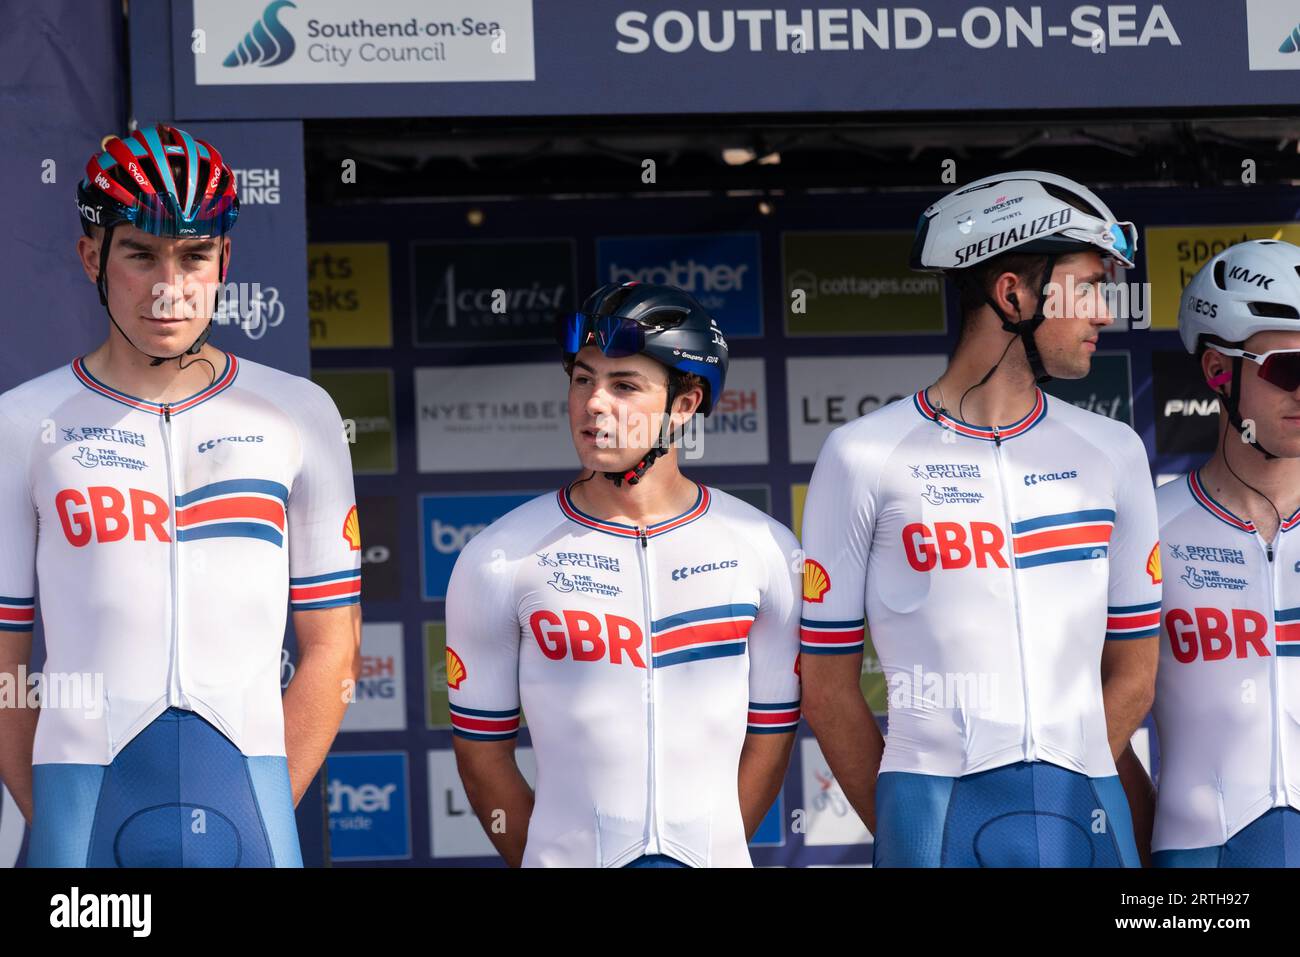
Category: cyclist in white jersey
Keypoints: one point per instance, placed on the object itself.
(1009, 573)
(173, 501)
(1228, 690)
(648, 625)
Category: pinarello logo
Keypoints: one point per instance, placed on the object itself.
(455, 669)
(352, 529)
(1153, 565)
(816, 582)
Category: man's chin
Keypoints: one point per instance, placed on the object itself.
(607, 460)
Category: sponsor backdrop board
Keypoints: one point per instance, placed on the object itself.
(447, 440)
(275, 58)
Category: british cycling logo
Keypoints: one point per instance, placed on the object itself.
(267, 42)
(947, 470)
(584, 584)
(1207, 553)
(99, 433)
(89, 458)
(686, 571)
(1033, 478)
(1211, 578)
(604, 563)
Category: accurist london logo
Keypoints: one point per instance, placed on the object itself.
(267, 43)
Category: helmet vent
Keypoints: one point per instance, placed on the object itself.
(1220, 271)
(1273, 310)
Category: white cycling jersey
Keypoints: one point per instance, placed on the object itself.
(164, 538)
(641, 658)
(991, 564)
(1228, 689)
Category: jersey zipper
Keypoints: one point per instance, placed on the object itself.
(1275, 677)
(651, 818)
(175, 696)
(1030, 745)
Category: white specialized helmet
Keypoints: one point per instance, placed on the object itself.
(1026, 211)
(1248, 288)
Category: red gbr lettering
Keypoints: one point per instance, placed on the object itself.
(579, 635)
(104, 514)
(1210, 634)
(954, 545)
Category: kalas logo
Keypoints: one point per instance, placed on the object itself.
(267, 43)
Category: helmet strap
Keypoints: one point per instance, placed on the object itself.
(1232, 405)
(634, 475)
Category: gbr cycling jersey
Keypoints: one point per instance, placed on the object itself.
(168, 540)
(641, 657)
(991, 563)
(1227, 701)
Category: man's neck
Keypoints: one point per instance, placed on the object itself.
(1006, 397)
(121, 366)
(662, 493)
(1277, 479)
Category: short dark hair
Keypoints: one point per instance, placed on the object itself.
(678, 381)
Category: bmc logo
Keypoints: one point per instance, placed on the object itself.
(583, 636)
(1209, 634)
(954, 545)
(105, 515)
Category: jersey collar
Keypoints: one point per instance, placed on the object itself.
(576, 514)
(1208, 502)
(1036, 415)
(221, 383)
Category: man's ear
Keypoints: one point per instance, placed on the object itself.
(226, 246)
(1217, 371)
(88, 252)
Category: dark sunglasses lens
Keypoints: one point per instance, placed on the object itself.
(1282, 370)
(619, 337)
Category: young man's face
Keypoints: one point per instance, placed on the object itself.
(160, 291)
(616, 408)
(1076, 312)
(1273, 412)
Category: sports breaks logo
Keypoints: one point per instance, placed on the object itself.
(267, 43)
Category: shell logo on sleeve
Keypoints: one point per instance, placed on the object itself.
(455, 669)
(816, 582)
(1153, 564)
(352, 529)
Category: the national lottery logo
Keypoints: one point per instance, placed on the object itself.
(89, 458)
(950, 495)
(584, 584)
(945, 470)
(1211, 578)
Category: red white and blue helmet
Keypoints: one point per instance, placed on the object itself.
(134, 181)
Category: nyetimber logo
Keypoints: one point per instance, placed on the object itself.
(267, 43)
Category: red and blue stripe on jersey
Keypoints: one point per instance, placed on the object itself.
(832, 637)
(17, 614)
(1036, 414)
(773, 718)
(331, 590)
(718, 631)
(1066, 537)
(234, 508)
(221, 383)
(478, 725)
(1133, 621)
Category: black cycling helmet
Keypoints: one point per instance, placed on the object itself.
(662, 322)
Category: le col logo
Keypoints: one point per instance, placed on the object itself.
(686, 571)
(1033, 478)
(211, 444)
